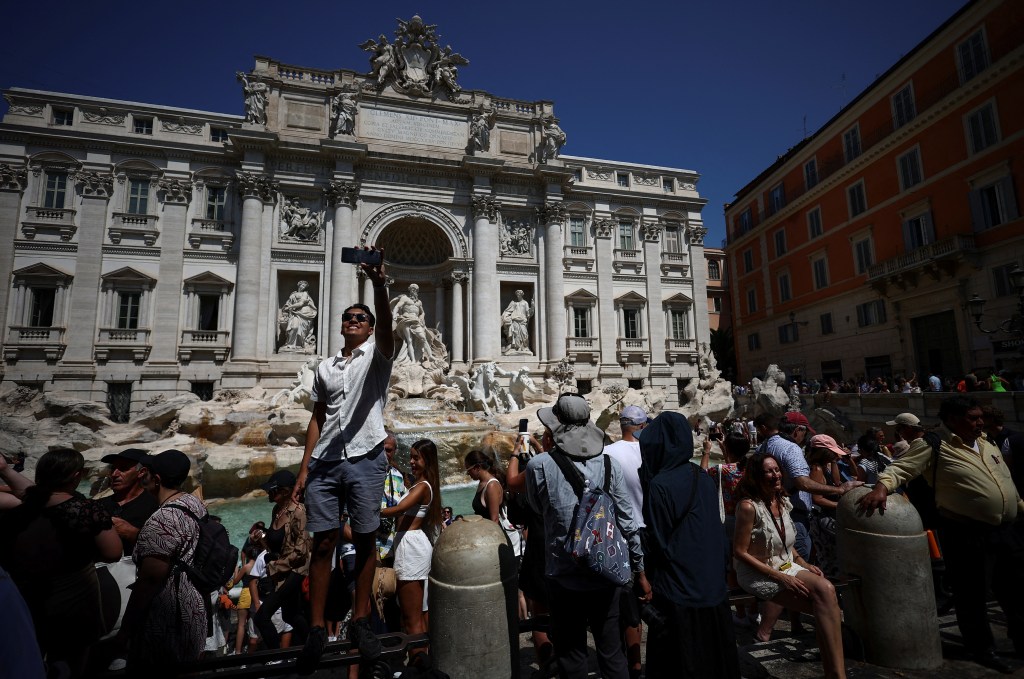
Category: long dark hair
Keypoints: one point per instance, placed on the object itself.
(54, 470)
(479, 457)
(751, 486)
(428, 451)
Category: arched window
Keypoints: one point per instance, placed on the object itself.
(714, 270)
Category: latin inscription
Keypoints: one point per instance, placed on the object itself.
(516, 143)
(411, 128)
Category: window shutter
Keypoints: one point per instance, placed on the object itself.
(908, 236)
(977, 210)
(1009, 199)
(929, 228)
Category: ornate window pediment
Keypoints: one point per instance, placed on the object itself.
(42, 273)
(128, 276)
(677, 301)
(582, 298)
(630, 299)
(207, 281)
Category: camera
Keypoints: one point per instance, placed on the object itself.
(654, 618)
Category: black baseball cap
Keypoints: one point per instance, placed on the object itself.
(172, 466)
(281, 479)
(137, 455)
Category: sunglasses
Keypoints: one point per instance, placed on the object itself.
(361, 318)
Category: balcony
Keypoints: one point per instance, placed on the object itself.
(55, 222)
(213, 231)
(133, 228)
(680, 350)
(578, 255)
(583, 349)
(633, 350)
(937, 261)
(122, 343)
(631, 260)
(212, 342)
(26, 341)
(675, 262)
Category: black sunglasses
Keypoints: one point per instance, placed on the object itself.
(362, 318)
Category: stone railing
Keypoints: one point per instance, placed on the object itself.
(579, 251)
(582, 343)
(629, 259)
(205, 337)
(29, 340)
(675, 261)
(124, 336)
(512, 106)
(950, 247)
(128, 224)
(211, 230)
(215, 342)
(677, 350)
(50, 214)
(305, 75)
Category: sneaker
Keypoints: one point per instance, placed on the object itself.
(309, 657)
(366, 641)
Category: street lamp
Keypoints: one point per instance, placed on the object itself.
(1013, 325)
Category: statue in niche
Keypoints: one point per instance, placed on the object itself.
(295, 320)
(411, 328)
(514, 238)
(343, 114)
(480, 131)
(554, 140)
(256, 94)
(300, 223)
(515, 326)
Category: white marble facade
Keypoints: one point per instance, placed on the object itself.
(149, 248)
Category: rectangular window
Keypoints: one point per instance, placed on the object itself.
(63, 116)
(918, 231)
(871, 313)
(981, 128)
(716, 303)
(216, 198)
(56, 189)
(753, 341)
(625, 235)
(714, 270)
(668, 184)
(577, 236)
(851, 143)
(622, 179)
(635, 384)
(776, 199)
(580, 322)
(814, 222)
(780, 242)
(631, 323)
(670, 239)
(972, 55)
(910, 168)
(680, 324)
(138, 196)
(1001, 280)
(862, 256)
(748, 261)
(785, 294)
(119, 400)
(819, 268)
(751, 300)
(993, 204)
(811, 173)
(577, 175)
(209, 312)
(857, 200)
(903, 108)
(42, 307)
(142, 125)
(789, 332)
(826, 324)
(128, 310)
(218, 134)
(746, 222)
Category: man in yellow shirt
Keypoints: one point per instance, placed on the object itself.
(981, 523)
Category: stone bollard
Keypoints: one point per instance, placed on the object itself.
(892, 608)
(474, 628)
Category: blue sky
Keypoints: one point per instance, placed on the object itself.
(722, 88)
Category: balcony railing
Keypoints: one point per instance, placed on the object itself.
(124, 335)
(675, 262)
(26, 338)
(215, 342)
(211, 230)
(627, 259)
(128, 224)
(583, 344)
(59, 221)
(205, 337)
(50, 214)
(134, 341)
(943, 249)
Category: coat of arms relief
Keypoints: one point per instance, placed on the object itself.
(415, 63)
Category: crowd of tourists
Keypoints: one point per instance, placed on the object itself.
(345, 549)
(976, 380)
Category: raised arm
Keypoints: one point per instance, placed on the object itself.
(381, 305)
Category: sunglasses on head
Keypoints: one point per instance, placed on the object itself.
(361, 318)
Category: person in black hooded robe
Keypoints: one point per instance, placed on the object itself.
(686, 547)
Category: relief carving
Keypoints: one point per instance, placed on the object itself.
(515, 237)
(182, 126)
(697, 234)
(300, 223)
(15, 106)
(651, 231)
(95, 184)
(414, 63)
(604, 228)
(104, 116)
(175, 190)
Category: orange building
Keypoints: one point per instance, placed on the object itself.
(856, 253)
(719, 303)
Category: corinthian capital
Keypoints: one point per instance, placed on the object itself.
(258, 186)
(651, 231)
(486, 207)
(95, 184)
(697, 234)
(176, 190)
(12, 178)
(341, 192)
(603, 228)
(551, 213)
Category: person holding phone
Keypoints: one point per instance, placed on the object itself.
(344, 462)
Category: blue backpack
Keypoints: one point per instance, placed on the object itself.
(595, 540)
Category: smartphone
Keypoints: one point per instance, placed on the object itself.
(524, 428)
(360, 256)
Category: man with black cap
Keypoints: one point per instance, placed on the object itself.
(580, 599)
(130, 505)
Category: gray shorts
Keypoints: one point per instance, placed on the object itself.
(357, 483)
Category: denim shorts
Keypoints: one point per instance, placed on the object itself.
(355, 482)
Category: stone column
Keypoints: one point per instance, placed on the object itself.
(256, 190)
(177, 194)
(439, 317)
(343, 196)
(698, 272)
(485, 325)
(458, 328)
(367, 292)
(606, 322)
(552, 216)
(651, 234)
(96, 190)
(12, 185)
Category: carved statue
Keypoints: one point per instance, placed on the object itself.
(525, 391)
(343, 114)
(296, 321)
(256, 94)
(443, 66)
(480, 131)
(300, 223)
(515, 326)
(383, 59)
(514, 239)
(554, 140)
(301, 392)
(411, 327)
(414, 63)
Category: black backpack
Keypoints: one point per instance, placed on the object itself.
(213, 562)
